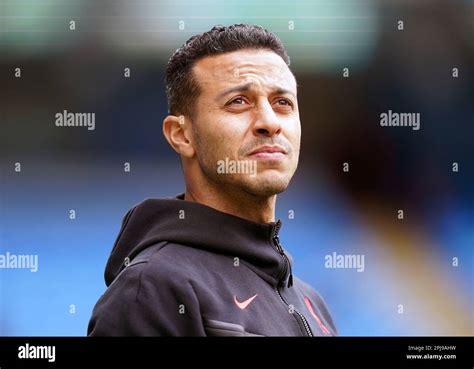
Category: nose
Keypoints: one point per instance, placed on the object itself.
(266, 123)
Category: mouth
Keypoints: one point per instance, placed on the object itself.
(269, 153)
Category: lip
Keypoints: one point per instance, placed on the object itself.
(268, 150)
(271, 153)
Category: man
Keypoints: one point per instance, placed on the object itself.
(209, 262)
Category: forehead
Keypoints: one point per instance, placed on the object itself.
(263, 68)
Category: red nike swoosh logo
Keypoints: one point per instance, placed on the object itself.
(242, 305)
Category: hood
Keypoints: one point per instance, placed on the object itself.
(191, 224)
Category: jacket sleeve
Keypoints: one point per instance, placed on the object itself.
(145, 301)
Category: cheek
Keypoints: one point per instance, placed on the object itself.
(299, 136)
(221, 133)
(294, 133)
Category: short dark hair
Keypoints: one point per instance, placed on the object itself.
(181, 87)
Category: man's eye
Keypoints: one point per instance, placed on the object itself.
(238, 101)
(285, 102)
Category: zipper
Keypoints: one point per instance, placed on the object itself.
(287, 265)
(303, 319)
(279, 248)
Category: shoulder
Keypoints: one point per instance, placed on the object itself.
(172, 262)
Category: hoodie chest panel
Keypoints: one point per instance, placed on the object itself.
(243, 298)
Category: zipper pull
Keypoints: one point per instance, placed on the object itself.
(282, 252)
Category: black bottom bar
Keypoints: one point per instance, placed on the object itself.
(335, 352)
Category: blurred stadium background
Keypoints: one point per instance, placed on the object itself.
(408, 262)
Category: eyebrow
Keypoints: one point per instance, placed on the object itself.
(248, 86)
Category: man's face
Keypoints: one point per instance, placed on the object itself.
(247, 115)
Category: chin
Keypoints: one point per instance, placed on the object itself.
(266, 187)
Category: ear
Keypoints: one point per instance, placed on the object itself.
(177, 131)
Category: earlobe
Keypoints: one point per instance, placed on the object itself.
(176, 131)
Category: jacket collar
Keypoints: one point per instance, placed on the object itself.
(192, 224)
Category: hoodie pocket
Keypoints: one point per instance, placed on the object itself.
(217, 328)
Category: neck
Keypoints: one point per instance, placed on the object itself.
(235, 202)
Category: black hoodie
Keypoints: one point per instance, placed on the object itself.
(180, 268)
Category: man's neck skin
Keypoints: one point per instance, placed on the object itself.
(234, 202)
